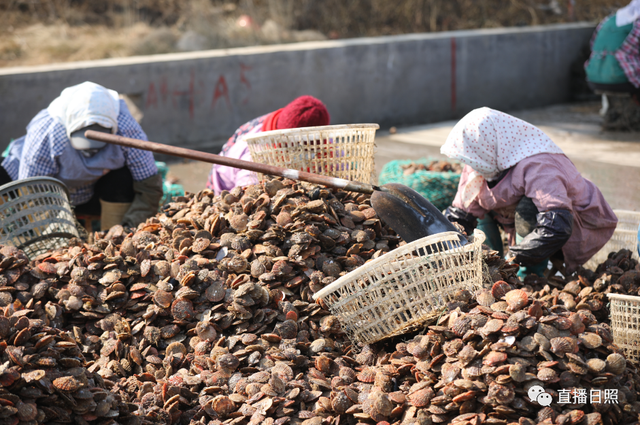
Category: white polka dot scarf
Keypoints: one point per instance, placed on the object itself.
(490, 142)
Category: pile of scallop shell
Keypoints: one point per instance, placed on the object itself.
(436, 166)
(204, 314)
(43, 374)
(587, 291)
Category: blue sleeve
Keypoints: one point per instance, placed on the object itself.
(140, 163)
(44, 143)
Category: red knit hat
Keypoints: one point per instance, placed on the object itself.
(305, 111)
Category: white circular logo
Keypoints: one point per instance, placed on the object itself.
(544, 399)
(534, 392)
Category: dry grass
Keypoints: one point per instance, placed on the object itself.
(45, 31)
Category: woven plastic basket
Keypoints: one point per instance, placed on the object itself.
(628, 220)
(343, 151)
(624, 237)
(625, 324)
(36, 215)
(405, 287)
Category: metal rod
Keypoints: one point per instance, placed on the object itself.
(231, 162)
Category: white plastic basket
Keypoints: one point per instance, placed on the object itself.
(624, 237)
(624, 311)
(343, 151)
(36, 216)
(405, 287)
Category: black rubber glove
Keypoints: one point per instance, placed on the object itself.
(463, 218)
(552, 231)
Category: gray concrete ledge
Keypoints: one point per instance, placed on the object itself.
(198, 99)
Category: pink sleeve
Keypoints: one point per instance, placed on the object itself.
(545, 183)
(244, 177)
(474, 208)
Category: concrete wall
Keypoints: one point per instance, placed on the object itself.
(198, 99)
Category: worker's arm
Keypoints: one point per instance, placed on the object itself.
(147, 183)
(547, 185)
(553, 229)
(465, 215)
(43, 144)
(146, 199)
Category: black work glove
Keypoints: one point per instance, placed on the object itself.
(552, 231)
(147, 195)
(463, 218)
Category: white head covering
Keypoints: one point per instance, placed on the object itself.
(628, 14)
(86, 104)
(490, 142)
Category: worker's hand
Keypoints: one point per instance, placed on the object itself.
(148, 193)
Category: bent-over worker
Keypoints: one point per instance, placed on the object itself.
(305, 111)
(120, 184)
(614, 64)
(516, 177)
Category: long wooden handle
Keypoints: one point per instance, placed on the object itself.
(231, 162)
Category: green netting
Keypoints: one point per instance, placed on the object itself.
(439, 188)
(169, 190)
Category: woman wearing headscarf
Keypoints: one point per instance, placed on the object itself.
(120, 184)
(304, 111)
(516, 177)
(614, 64)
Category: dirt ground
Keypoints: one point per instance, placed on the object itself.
(36, 32)
(610, 159)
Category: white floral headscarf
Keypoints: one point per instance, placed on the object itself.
(84, 105)
(490, 142)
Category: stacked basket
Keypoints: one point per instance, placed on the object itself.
(624, 312)
(624, 237)
(343, 151)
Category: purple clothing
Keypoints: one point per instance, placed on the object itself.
(552, 182)
(226, 178)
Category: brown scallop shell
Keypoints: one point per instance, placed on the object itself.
(516, 299)
(500, 289)
(367, 375)
(67, 384)
(182, 309)
(616, 363)
(590, 340)
(421, 398)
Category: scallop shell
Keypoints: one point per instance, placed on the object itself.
(616, 363)
(485, 298)
(590, 340)
(182, 309)
(516, 299)
(494, 358)
(562, 345)
(67, 384)
(367, 375)
(596, 365)
(176, 348)
(493, 325)
(547, 375)
(228, 362)
(162, 298)
(421, 398)
(500, 289)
